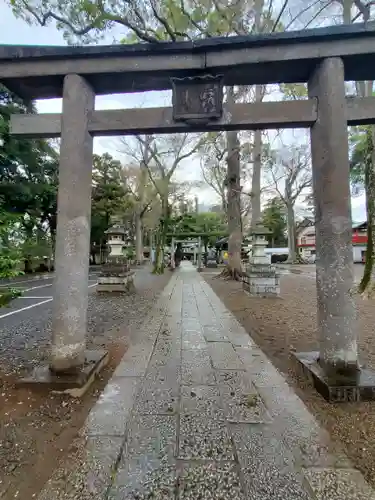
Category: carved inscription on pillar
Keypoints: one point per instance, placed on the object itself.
(197, 99)
(345, 394)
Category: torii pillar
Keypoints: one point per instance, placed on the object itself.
(69, 320)
(71, 366)
(335, 368)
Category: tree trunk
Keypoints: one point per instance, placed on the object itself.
(234, 206)
(52, 228)
(292, 258)
(141, 205)
(257, 151)
(224, 203)
(347, 11)
(256, 179)
(161, 237)
(366, 284)
(159, 253)
(138, 238)
(364, 89)
(28, 266)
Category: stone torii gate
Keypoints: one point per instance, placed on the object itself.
(324, 58)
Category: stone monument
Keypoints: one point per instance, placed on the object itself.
(211, 258)
(260, 278)
(116, 275)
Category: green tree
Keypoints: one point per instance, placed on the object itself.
(363, 153)
(110, 198)
(210, 222)
(10, 256)
(289, 168)
(154, 21)
(363, 178)
(151, 21)
(28, 178)
(202, 224)
(148, 21)
(137, 180)
(274, 219)
(164, 155)
(9, 253)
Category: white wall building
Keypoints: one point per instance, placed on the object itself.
(306, 241)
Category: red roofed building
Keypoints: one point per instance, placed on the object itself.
(306, 240)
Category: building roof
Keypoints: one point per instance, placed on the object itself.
(304, 223)
(307, 222)
(116, 229)
(359, 225)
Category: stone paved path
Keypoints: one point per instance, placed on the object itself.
(196, 411)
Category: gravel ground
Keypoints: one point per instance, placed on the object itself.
(25, 341)
(288, 323)
(36, 425)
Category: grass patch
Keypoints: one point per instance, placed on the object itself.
(7, 295)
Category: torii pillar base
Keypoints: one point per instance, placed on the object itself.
(340, 388)
(75, 383)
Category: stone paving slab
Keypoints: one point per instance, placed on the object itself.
(143, 478)
(260, 369)
(224, 357)
(203, 438)
(135, 362)
(311, 444)
(210, 481)
(191, 324)
(88, 473)
(111, 412)
(192, 339)
(235, 379)
(203, 400)
(336, 484)
(167, 372)
(166, 350)
(151, 436)
(243, 406)
(196, 368)
(197, 411)
(214, 334)
(158, 397)
(267, 465)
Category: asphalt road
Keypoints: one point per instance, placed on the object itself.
(25, 326)
(36, 292)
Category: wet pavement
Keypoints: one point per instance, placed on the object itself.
(195, 410)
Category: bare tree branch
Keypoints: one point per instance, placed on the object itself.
(196, 25)
(102, 18)
(303, 11)
(282, 10)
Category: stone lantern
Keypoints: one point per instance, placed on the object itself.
(116, 241)
(116, 275)
(260, 278)
(259, 243)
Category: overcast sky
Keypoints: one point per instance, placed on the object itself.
(14, 31)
